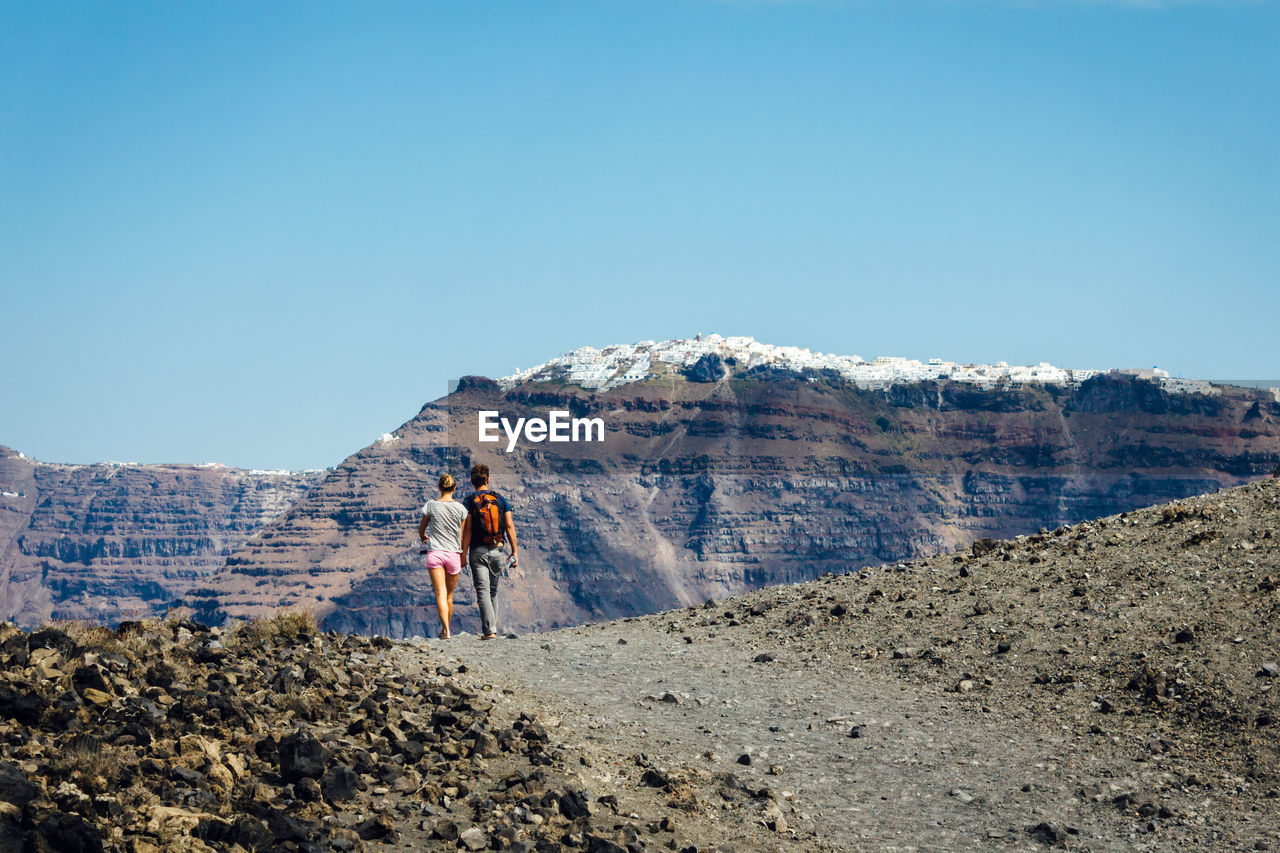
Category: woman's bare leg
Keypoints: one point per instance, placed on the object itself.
(444, 598)
(450, 583)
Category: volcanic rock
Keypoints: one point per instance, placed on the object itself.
(709, 368)
(302, 756)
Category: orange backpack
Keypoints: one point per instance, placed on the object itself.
(485, 509)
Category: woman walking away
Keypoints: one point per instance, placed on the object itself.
(441, 530)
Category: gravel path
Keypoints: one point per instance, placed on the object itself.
(927, 771)
(1108, 686)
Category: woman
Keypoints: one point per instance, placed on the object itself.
(441, 531)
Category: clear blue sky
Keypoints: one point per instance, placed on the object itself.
(264, 233)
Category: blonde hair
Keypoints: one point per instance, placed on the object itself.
(447, 483)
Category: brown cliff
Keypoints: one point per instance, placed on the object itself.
(108, 542)
(706, 489)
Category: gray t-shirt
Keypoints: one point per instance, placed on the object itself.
(444, 530)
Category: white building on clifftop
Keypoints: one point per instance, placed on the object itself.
(602, 369)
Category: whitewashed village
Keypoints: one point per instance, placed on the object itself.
(603, 369)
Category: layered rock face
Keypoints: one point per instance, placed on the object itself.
(706, 489)
(109, 542)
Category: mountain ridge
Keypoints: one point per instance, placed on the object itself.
(112, 541)
(715, 450)
(707, 489)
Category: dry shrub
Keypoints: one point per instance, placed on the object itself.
(87, 635)
(177, 614)
(286, 625)
(88, 759)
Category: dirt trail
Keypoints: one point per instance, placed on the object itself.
(926, 773)
(1109, 686)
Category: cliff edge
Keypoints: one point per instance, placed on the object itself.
(705, 489)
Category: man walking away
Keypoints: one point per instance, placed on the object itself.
(488, 523)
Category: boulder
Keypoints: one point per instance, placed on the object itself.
(69, 833)
(339, 783)
(302, 757)
(709, 368)
(15, 786)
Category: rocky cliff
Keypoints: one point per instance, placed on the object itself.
(108, 542)
(703, 489)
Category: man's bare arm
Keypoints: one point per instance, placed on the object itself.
(511, 534)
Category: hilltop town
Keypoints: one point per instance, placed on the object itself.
(613, 366)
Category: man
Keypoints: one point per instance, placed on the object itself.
(487, 525)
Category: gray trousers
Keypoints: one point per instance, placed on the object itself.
(486, 569)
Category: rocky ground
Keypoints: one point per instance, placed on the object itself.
(1106, 686)
(1102, 687)
(170, 736)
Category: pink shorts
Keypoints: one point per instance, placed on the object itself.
(450, 561)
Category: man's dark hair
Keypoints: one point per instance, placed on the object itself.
(479, 475)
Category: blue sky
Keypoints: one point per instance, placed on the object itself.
(262, 234)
